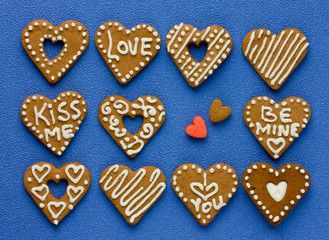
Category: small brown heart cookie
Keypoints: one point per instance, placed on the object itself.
(54, 122)
(36, 181)
(114, 108)
(132, 193)
(275, 192)
(275, 57)
(127, 52)
(75, 39)
(219, 48)
(217, 112)
(204, 192)
(276, 125)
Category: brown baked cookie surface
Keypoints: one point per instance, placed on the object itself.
(132, 193)
(36, 181)
(127, 52)
(181, 36)
(276, 125)
(275, 191)
(75, 39)
(204, 192)
(275, 57)
(218, 112)
(114, 108)
(54, 122)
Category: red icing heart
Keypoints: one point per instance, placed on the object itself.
(198, 129)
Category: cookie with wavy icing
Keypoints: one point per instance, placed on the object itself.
(72, 34)
(133, 193)
(36, 181)
(114, 108)
(275, 191)
(275, 57)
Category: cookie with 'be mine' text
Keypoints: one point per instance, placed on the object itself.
(275, 57)
(54, 122)
(132, 193)
(127, 52)
(72, 34)
(204, 192)
(114, 108)
(275, 191)
(36, 180)
(276, 125)
(219, 46)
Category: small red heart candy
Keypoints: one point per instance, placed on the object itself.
(198, 129)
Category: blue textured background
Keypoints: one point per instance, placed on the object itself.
(235, 82)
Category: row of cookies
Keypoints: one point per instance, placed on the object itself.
(204, 192)
(127, 52)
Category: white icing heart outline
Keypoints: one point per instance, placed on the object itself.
(75, 190)
(56, 204)
(208, 187)
(39, 189)
(75, 170)
(277, 192)
(40, 169)
(276, 142)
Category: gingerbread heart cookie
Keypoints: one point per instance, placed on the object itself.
(219, 48)
(275, 192)
(54, 122)
(275, 57)
(198, 129)
(127, 52)
(36, 181)
(204, 192)
(217, 112)
(114, 108)
(75, 39)
(132, 193)
(276, 125)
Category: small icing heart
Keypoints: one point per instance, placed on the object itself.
(217, 112)
(198, 129)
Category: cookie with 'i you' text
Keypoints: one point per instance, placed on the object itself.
(275, 191)
(114, 108)
(133, 193)
(127, 52)
(276, 125)
(36, 180)
(204, 192)
(54, 122)
(219, 46)
(275, 57)
(72, 34)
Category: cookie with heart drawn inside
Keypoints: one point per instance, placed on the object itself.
(54, 122)
(197, 129)
(36, 181)
(275, 57)
(275, 191)
(132, 193)
(114, 108)
(217, 112)
(219, 46)
(276, 125)
(127, 52)
(204, 192)
(75, 40)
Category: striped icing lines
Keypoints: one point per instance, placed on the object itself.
(219, 47)
(275, 56)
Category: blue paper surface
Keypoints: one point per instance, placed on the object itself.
(235, 83)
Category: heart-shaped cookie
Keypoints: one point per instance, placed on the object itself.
(36, 181)
(54, 122)
(114, 108)
(198, 129)
(275, 192)
(127, 52)
(217, 112)
(132, 193)
(219, 48)
(204, 192)
(275, 57)
(276, 125)
(75, 39)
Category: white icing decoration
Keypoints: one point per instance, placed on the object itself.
(75, 190)
(76, 169)
(35, 191)
(277, 192)
(40, 169)
(57, 205)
